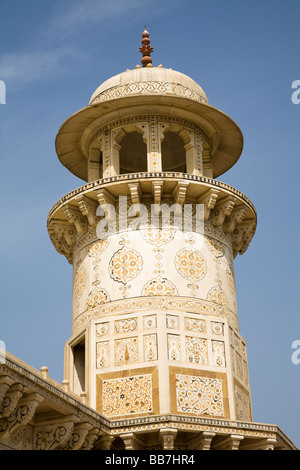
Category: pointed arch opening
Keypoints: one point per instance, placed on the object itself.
(173, 153)
(133, 153)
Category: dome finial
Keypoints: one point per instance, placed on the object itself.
(146, 49)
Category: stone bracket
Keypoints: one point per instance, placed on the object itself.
(63, 236)
(105, 197)
(222, 209)
(88, 208)
(135, 192)
(54, 433)
(242, 235)
(11, 399)
(78, 437)
(90, 439)
(157, 188)
(21, 415)
(209, 200)
(75, 216)
(179, 193)
(236, 217)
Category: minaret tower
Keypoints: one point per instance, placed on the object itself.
(152, 236)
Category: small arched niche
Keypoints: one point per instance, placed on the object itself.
(173, 154)
(95, 164)
(132, 153)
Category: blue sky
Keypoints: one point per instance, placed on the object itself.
(245, 55)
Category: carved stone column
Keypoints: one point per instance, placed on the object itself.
(203, 442)
(131, 441)
(167, 438)
(231, 442)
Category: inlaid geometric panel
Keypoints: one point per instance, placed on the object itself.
(174, 347)
(102, 329)
(149, 322)
(125, 265)
(102, 354)
(97, 248)
(239, 365)
(218, 353)
(172, 321)
(125, 326)
(97, 297)
(217, 328)
(196, 350)
(217, 295)
(242, 401)
(80, 281)
(215, 246)
(150, 347)
(128, 395)
(158, 237)
(191, 264)
(193, 324)
(199, 395)
(159, 286)
(126, 351)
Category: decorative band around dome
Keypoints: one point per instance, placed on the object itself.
(149, 87)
